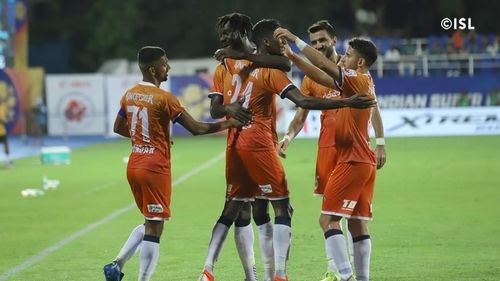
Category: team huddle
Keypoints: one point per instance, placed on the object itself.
(246, 83)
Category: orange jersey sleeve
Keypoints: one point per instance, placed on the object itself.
(218, 81)
(172, 106)
(305, 87)
(354, 82)
(277, 81)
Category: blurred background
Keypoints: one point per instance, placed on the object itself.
(65, 64)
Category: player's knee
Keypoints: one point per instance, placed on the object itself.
(329, 222)
(357, 227)
(153, 228)
(261, 219)
(232, 210)
(284, 220)
(241, 222)
(227, 221)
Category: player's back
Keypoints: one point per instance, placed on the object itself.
(351, 130)
(149, 112)
(258, 89)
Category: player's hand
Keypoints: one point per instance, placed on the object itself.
(235, 123)
(281, 32)
(288, 51)
(380, 156)
(360, 101)
(223, 53)
(238, 112)
(282, 146)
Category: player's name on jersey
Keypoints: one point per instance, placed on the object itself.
(143, 149)
(139, 97)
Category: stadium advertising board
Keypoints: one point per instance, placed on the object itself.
(424, 122)
(76, 104)
(438, 92)
(192, 91)
(442, 122)
(11, 99)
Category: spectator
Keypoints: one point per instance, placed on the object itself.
(457, 41)
(39, 113)
(392, 54)
(492, 47)
(473, 42)
(436, 49)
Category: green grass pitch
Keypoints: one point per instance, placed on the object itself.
(436, 213)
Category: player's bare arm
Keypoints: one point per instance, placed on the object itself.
(293, 129)
(311, 71)
(196, 127)
(234, 110)
(121, 126)
(315, 56)
(306, 102)
(259, 60)
(378, 127)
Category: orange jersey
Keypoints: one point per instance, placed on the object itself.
(258, 89)
(351, 129)
(327, 131)
(149, 111)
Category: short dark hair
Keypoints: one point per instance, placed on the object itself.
(148, 55)
(322, 25)
(264, 28)
(365, 48)
(240, 22)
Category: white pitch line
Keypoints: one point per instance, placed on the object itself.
(49, 250)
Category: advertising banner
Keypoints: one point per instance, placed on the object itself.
(423, 122)
(438, 92)
(76, 104)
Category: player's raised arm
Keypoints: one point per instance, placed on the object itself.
(259, 60)
(316, 57)
(196, 127)
(356, 101)
(311, 71)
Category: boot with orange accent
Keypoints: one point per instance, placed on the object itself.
(206, 276)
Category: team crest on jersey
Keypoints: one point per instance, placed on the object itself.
(266, 188)
(155, 208)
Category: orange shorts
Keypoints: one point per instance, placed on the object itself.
(255, 174)
(349, 191)
(325, 163)
(240, 185)
(151, 192)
